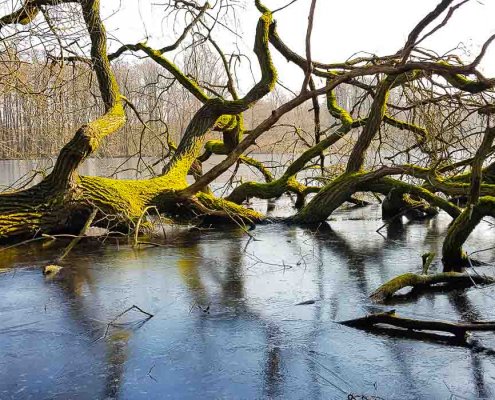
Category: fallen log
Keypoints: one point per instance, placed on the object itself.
(459, 330)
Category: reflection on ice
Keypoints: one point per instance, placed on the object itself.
(225, 323)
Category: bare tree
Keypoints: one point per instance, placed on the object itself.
(404, 125)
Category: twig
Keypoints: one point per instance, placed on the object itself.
(136, 230)
(76, 239)
(36, 239)
(133, 307)
(149, 373)
(427, 260)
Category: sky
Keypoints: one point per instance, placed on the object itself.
(341, 28)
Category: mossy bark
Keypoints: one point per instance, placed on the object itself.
(398, 203)
(336, 192)
(421, 281)
(120, 204)
(63, 201)
(330, 198)
(453, 256)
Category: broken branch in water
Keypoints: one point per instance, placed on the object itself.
(82, 233)
(133, 307)
(391, 319)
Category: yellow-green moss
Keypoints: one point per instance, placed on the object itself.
(336, 111)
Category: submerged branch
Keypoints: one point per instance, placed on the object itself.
(458, 329)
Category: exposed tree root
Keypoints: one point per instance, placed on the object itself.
(458, 329)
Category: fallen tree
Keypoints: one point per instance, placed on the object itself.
(392, 91)
(62, 201)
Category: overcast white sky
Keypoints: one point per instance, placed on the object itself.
(341, 29)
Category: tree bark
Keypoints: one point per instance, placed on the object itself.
(63, 201)
(458, 329)
(453, 257)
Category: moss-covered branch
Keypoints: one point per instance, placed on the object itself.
(422, 281)
(88, 138)
(334, 194)
(386, 185)
(259, 166)
(288, 182)
(28, 11)
(214, 111)
(453, 257)
(160, 59)
(373, 123)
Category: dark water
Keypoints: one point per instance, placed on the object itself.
(225, 322)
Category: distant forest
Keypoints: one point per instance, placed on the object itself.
(42, 102)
